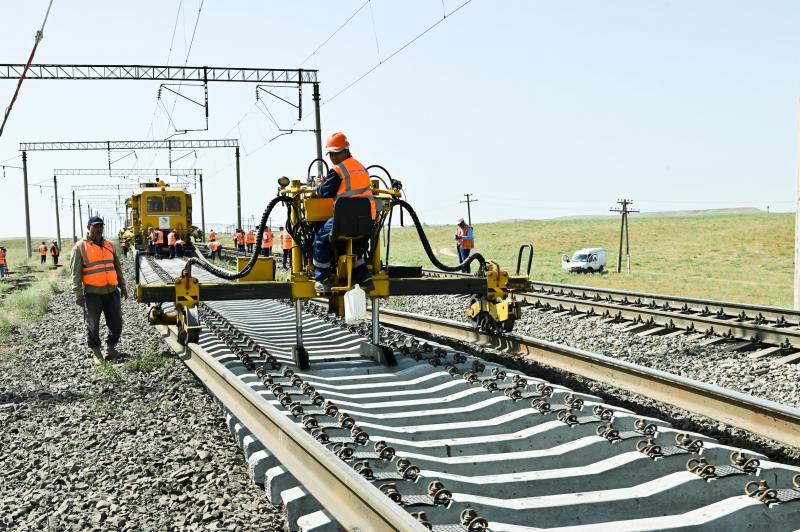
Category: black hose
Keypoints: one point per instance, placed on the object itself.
(230, 276)
(425, 244)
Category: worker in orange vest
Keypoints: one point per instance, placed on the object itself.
(3, 264)
(266, 242)
(98, 282)
(158, 241)
(212, 236)
(240, 239)
(464, 243)
(250, 240)
(172, 237)
(286, 244)
(151, 241)
(216, 248)
(55, 252)
(43, 252)
(346, 178)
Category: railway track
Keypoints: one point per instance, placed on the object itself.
(448, 441)
(763, 331)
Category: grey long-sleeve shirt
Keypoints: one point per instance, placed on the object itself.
(76, 265)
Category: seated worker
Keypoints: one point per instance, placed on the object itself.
(346, 178)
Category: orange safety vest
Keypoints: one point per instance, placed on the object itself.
(212, 236)
(2, 257)
(251, 238)
(98, 263)
(467, 237)
(42, 250)
(286, 240)
(171, 238)
(215, 246)
(54, 251)
(236, 238)
(355, 181)
(266, 240)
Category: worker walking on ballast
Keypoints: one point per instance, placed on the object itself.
(42, 252)
(346, 178)
(55, 251)
(98, 282)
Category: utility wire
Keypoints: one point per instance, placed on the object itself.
(39, 36)
(342, 25)
(151, 129)
(406, 45)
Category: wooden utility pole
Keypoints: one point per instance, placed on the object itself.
(623, 232)
(468, 201)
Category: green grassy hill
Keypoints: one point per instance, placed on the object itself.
(735, 257)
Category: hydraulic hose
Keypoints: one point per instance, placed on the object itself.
(230, 276)
(425, 244)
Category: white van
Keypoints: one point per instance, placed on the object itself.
(587, 260)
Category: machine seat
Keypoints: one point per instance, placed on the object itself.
(352, 219)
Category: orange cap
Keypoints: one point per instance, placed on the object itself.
(336, 142)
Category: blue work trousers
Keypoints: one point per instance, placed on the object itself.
(323, 256)
(463, 254)
(172, 251)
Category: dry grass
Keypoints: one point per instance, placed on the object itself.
(735, 257)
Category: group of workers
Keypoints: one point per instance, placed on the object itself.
(54, 250)
(175, 244)
(245, 242)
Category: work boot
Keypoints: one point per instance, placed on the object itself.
(325, 285)
(111, 352)
(98, 354)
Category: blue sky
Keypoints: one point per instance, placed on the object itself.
(540, 109)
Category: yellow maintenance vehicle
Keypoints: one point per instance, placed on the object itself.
(157, 205)
(493, 308)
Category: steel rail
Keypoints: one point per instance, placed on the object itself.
(351, 499)
(768, 312)
(730, 328)
(771, 325)
(767, 418)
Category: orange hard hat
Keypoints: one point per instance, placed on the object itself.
(336, 142)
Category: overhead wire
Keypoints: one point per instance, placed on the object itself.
(37, 39)
(337, 30)
(390, 56)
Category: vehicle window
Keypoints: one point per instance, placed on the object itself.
(173, 204)
(580, 257)
(154, 204)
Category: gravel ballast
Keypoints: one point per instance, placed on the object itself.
(142, 448)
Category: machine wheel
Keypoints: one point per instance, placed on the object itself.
(508, 325)
(182, 336)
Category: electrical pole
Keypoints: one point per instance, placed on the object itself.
(623, 232)
(58, 220)
(796, 228)
(469, 211)
(80, 215)
(88, 212)
(74, 234)
(202, 209)
(27, 208)
(238, 192)
(318, 128)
